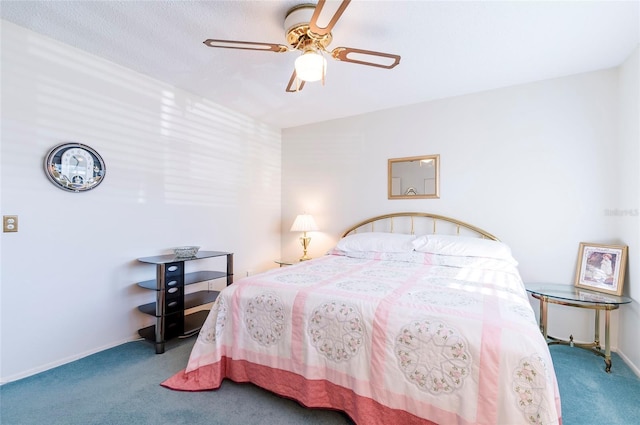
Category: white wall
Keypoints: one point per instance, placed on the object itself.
(181, 170)
(627, 207)
(532, 164)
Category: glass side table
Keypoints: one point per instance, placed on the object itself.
(571, 296)
(285, 262)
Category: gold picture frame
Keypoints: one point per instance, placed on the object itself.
(414, 177)
(601, 267)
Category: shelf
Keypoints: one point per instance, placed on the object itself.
(166, 259)
(189, 279)
(190, 301)
(192, 324)
(171, 301)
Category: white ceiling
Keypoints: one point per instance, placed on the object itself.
(448, 48)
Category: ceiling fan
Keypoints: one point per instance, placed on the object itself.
(309, 31)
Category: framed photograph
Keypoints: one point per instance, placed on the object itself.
(601, 267)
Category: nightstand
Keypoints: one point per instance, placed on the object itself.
(575, 297)
(286, 262)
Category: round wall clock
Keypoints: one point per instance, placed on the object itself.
(74, 167)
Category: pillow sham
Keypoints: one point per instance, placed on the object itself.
(463, 246)
(376, 242)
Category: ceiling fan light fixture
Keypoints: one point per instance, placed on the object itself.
(308, 30)
(310, 66)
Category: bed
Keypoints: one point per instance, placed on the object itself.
(412, 318)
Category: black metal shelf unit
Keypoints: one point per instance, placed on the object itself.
(171, 300)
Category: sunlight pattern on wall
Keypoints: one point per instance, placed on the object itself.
(180, 170)
(160, 144)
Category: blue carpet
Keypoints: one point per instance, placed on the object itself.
(121, 386)
(589, 395)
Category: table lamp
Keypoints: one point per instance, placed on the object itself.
(304, 223)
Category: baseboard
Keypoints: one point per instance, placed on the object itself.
(629, 363)
(48, 366)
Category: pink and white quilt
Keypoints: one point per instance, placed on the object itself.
(388, 338)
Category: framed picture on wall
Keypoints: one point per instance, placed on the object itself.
(601, 267)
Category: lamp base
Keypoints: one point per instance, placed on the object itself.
(305, 240)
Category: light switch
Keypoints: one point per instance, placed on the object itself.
(9, 223)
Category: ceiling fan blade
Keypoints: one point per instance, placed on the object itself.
(246, 45)
(295, 84)
(314, 23)
(364, 57)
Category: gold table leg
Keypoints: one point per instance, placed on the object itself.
(596, 332)
(543, 316)
(607, 347)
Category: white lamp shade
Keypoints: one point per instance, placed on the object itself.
(310, 66)
(304, 223)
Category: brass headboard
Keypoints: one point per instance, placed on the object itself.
(417, 223)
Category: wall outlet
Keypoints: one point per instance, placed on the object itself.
(9, 223)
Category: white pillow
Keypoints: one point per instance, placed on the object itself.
(376, 242)
(464, 246)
